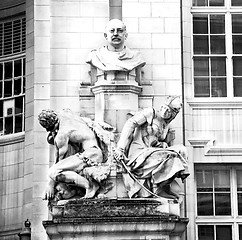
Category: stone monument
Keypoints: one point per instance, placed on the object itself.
(106, 187)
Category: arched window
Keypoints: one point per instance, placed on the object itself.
(12, 75)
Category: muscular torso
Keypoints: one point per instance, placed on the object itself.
(74, 130)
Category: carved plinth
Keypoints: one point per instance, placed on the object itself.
(114, 219)
(114, 101)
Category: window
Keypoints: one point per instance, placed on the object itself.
(12, 76)
(215, 232)
(219, 202)
(217, 45)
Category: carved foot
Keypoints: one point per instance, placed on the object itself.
(91, 191)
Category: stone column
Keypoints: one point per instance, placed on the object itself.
(115, 9)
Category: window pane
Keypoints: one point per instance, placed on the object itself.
(199, 3)
(216, 3)
(238, 87)
(206, 232)
(237, 23)
(217, 44)
(237, 44)
(236, 3)
(240, 204)
(8, 88)
(217, 24)
(17, 68)
(1, 88)
(17, 86)
(1, 126)
(204, 179)
(1, 71)
(222, 204)
(18, 105)
(24, 67)
(205, 204)
(200, 44)
(224, 232)
(200, 24)
(240, 231)
(23, 84)
(8, 70)
(237, 63)
(8, 125)
(18, 123)
(218, 66)
(201, 66)
(201, 87)
(222, 180)
(1, 108)
(219, 87)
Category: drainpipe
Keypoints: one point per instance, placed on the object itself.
(183, 101)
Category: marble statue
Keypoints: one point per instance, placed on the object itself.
(152, 165)
(115, 56)
(81, 154)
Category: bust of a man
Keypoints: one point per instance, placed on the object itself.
(115, 56)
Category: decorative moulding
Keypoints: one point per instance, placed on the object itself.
(221, 150)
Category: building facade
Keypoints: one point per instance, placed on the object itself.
(191, 48)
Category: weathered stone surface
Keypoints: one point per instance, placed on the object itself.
(114, 219)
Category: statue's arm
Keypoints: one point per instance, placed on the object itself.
(137, 120)
(61, 143)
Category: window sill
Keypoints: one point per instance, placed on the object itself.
(12, 138)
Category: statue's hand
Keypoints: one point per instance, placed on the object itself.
(49, 192)
(118, 154)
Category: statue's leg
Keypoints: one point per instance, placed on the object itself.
(80, 181)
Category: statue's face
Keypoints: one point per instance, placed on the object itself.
(115, 33)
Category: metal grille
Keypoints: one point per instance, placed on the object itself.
(12, 37)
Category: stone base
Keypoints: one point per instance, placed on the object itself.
(113, 219)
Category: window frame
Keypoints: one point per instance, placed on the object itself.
(234, 219)
(227, 11)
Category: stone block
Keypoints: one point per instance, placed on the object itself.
(66, 40)
(42, 28)
(79, 24)
(42, 60)
(165, 9)
(58, 56)
(92, 40)
(133, 9)
(166, 41)
(58, 25)
(172, 56)
(42, 91)
(151, 25)
(166, 72)
(89, 9)
(153, 56)
(58, 88)
(132, 24)
(139, 40)
(42, 75)
(99, 24)
(42, 44)
(172, 25)
(42, 13)
(64, 8)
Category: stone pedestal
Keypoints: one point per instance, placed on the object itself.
(113, 219)
(113, 101)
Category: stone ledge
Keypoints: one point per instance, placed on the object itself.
(113, 219)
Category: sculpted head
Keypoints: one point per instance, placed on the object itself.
(48, 119)
(170, 108)
(115, 34)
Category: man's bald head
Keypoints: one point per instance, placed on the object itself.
(115, 34)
